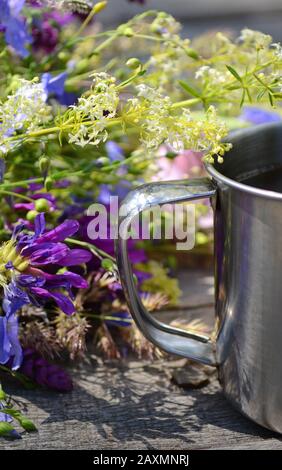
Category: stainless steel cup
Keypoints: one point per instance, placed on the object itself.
(246, 345)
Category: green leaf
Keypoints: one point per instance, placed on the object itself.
(192, 53)
(243, 98)
(234, 73)
(25, 423)
(259, 79)
(25, 381)
(6, 429)
(189, 89)
(249, 95)
(270, 97)
(260, 95)
(233, 87)
(3, 395)
(142, 72)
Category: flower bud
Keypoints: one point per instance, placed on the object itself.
(102, 161)
(81, 65)
(133, 63)
(48, 183)
(99, 7)
(63, 56)
(107, 264)
(30, 216)
(42, 205)
(192, 53)
(44, 163)
(155, 28)
(128, 32)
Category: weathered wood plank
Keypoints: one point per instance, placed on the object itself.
(134, 405)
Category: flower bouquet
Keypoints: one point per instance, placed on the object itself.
(87, 114)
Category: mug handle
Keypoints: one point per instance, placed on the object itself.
(197, 346)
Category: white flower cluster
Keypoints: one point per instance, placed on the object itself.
(93, 111)
(213, 76)
(153, 111)
(255, 38)
(25, 110)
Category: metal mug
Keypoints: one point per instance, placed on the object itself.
(246, 345)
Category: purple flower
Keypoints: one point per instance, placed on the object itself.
(25, 261)
(45, 36)
(32, 257)
(256, 115)
(45, 31)
(45, 374)
(13, 24)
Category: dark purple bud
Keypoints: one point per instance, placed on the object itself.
(45, 374)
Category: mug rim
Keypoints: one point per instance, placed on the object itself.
(234, 135)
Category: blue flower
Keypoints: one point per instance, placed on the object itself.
(55, 85)
(114, 151)
(121, 189)
(256, 115)
(2, 169)
(16, 33)
(10, 347)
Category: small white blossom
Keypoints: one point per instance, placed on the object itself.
(26, 109)
(156, 114)
(255, 38)
(92, 112)
(215, 77)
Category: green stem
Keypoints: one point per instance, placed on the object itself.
(86, 21)
(107, 317)
(104, 44)
(94, 249)
(21, 183)
(56, 129)
(129, 80)
(189, 102)
(21, 196)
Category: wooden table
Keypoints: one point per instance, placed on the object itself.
(134, 404)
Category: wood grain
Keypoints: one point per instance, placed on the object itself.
(134, 405)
